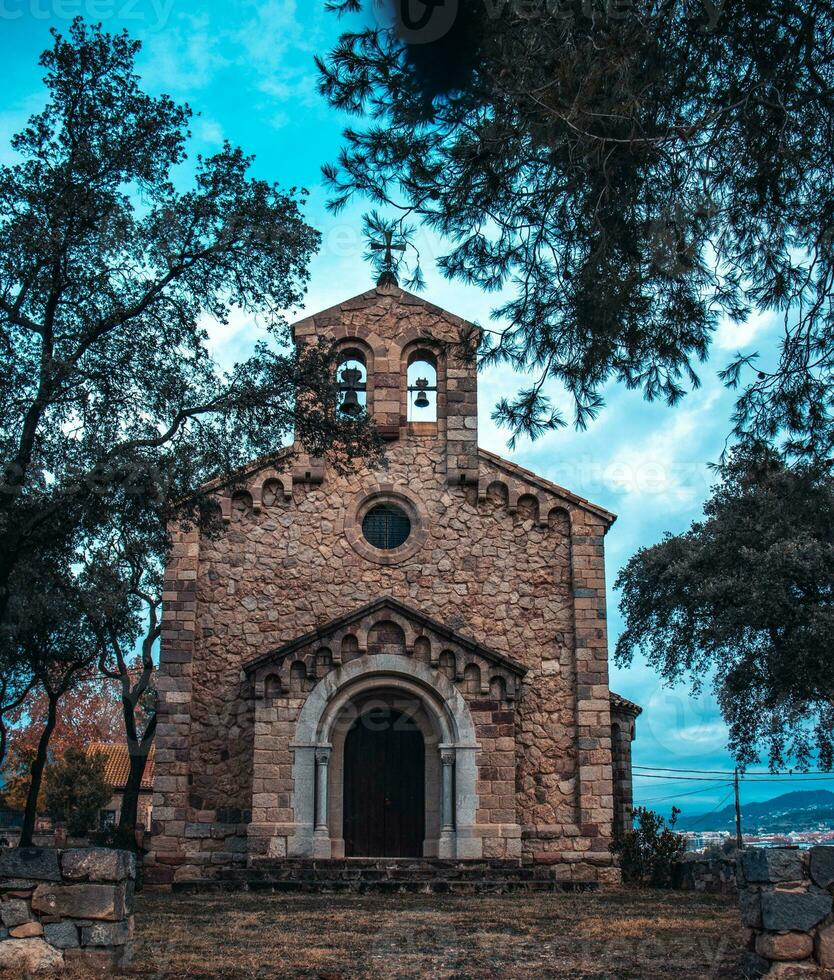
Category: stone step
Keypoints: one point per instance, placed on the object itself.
(375, 873)
(437, 886)
(378, 862)
(385, 875)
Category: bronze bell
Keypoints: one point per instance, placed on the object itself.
(350, 403)
(422, 399)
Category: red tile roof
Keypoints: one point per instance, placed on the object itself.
(117, 763)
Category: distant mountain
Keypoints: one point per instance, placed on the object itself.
(799, 811)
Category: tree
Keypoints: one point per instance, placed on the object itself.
(109, 398)
(113, 414)
(631, 170)
(76, 789)
(135, 679)
(90, 712)
(17, 778)
(57, 644)
(746, 597)
(15, 686)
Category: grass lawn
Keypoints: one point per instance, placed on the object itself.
(612, 934)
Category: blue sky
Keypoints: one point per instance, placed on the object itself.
(246, 67)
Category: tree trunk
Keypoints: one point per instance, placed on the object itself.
(36, 775)
(130, 797)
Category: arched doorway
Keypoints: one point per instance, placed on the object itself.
(432, 702)
(384, 786)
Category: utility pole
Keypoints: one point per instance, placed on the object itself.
(739, 838)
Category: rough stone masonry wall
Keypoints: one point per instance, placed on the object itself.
(65, 907)
(786, 906)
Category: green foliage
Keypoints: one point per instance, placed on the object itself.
(114, 416)
(113, 413)
(75, 790)
(630, 172)
(647, 850)
(16, 778)
(746, 597)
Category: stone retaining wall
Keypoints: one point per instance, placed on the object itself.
(786, 906)
(714, 874)
(61, 907)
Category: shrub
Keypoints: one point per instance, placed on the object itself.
(648, 849)
(76, 790)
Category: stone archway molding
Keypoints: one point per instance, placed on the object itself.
(450, 716)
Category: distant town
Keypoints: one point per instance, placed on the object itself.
(798, 819)
(712, 839)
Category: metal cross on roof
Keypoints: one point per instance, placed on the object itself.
(388, 275)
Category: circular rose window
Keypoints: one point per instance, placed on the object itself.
(386, 527)
(386, 524)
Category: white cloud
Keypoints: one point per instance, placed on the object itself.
(232, 341)
(209, 131)
(736, 336)
(668, 463)
(185, 57)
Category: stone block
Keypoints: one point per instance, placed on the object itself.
(789, 911)
(106, 934)
(29, 930)
(760, 864)
(61, 935)
(88, 901)
(751, 908)
(14, 912)
(30, 863)
(822, 866)
(97, 864)
(29, 957)
(825, 947)
(784, 971)
(785, 946)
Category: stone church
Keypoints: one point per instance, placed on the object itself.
(400, 663)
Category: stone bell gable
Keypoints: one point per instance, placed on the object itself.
(389, 326)
(451, 594)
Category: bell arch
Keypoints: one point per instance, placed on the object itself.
(423, 387)
(355, 377)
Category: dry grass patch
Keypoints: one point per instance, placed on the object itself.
(614, 934)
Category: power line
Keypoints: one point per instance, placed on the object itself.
(751, 781)
(680, 796)
(685, 779)
(758, 772)
(704, 816)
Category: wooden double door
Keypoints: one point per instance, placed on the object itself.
(384, 786)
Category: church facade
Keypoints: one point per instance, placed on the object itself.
(409, 662)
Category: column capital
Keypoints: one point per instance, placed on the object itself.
(447, 757)
(323, 754)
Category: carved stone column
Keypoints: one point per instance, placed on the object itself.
(447, 802)
(321, 836)
(446, 847)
